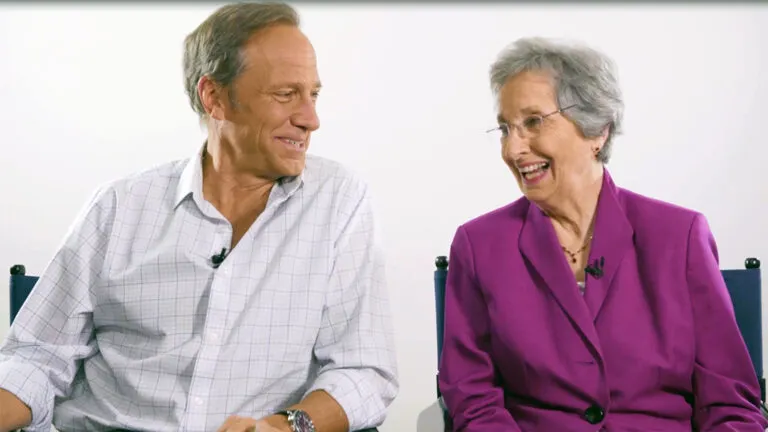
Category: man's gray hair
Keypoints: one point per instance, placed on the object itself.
(214, 48)
(582, 77)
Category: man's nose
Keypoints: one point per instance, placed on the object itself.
(306, 116)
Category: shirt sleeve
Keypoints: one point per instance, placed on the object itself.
(355, 344)
(726, 391)
(53, 331)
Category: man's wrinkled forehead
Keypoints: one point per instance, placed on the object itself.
(282, 54)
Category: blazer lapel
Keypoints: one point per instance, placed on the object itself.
(612, 237)
(538, 244)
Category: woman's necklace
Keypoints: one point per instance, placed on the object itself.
(573, 255)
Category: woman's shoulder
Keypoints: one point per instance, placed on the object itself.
(507, 215)
(643, 210)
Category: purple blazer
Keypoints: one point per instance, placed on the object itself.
(652, 345)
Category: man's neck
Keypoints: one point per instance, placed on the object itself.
(239, 195)
(225, 177)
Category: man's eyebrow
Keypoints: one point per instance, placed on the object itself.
(295, 85)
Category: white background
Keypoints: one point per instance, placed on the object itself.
(90, 94)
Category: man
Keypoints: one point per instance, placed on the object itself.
(241, 289)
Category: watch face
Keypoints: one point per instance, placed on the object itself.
(301, 422)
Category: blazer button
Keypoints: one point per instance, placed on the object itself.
(594, 414)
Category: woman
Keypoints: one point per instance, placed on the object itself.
(583, 306)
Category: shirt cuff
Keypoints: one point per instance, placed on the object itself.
(30, 385)
(352, 390)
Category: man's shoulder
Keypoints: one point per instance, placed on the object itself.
(323, 175)
(132, 193)
(155, 179)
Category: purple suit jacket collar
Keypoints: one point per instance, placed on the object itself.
(612, 238)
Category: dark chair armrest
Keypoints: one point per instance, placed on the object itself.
(447, 421)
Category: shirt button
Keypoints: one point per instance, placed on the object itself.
(198, 401)
(214, 337)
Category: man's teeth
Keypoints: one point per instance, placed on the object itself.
(296, 144)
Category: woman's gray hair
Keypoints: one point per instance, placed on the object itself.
(582, 77)
(214, 48)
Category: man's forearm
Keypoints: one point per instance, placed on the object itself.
(325, 412)
(14, 414)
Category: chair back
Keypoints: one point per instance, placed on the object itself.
(441, 273)
(20, 287)
(744, 287)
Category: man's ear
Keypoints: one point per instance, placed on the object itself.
(213, 97)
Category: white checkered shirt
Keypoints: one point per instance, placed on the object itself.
(130, 326)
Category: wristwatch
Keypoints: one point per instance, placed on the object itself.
(299, 420)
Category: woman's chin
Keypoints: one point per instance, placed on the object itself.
(536, 189)
(538, 195)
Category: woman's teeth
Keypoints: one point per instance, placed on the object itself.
(534, 170)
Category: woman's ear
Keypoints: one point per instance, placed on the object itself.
(600, 140)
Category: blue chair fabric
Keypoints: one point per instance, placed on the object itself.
(441, 273)
(745, 289)
(20, 287)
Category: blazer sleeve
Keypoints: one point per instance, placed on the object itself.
(726, 391)
(467, 376)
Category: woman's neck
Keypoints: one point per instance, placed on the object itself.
(575, 211)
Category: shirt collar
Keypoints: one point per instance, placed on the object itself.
(191, 181)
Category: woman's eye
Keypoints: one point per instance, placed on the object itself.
(532, 122)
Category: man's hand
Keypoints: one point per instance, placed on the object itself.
(326, 414)
(247, 424)
(14, 414)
